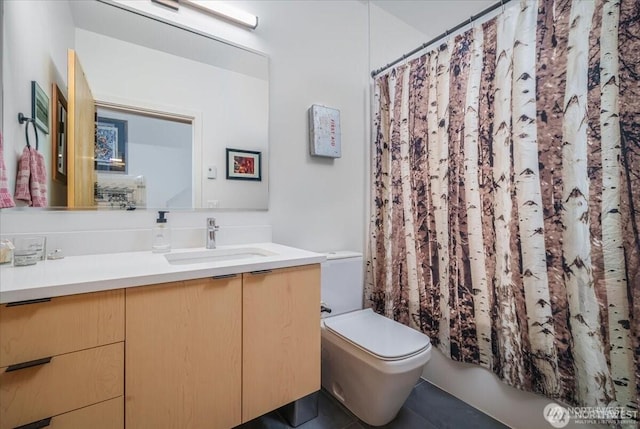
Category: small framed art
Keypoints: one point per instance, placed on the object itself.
(59, 134)
(111, 145)
(244, 165)
(40, 107)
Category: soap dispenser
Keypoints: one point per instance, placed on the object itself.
(161, 234)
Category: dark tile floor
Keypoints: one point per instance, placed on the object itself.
(428, 407)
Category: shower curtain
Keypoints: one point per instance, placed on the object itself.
(505, 206)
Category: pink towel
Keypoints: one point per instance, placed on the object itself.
(38, 181)
(22, 180)
(31, 183)
(6, 200)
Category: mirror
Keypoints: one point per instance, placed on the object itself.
(138, 65)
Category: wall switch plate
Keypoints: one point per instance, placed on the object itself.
(212, 172)
(213, 204)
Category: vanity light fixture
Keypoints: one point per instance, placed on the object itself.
(224, 10)
(171, 4)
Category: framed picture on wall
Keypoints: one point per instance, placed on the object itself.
(40, 107)
(244, 165)
(59, 135)
(111, 145)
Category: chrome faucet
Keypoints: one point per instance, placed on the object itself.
(211, 232)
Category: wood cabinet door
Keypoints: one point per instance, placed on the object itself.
(183, 354)
(81, 136)
(281, 338)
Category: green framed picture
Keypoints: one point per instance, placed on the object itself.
(40, 107)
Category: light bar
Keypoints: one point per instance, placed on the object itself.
(225, 11)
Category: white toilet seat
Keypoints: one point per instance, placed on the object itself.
(377, 335)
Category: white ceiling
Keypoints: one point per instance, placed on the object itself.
(433, 17)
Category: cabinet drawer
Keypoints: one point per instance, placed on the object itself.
(105, 415)
(61, 325)
(66, 383)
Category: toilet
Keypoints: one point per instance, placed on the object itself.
(369, 363)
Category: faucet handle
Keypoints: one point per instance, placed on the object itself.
(324, 308)
(211, 223)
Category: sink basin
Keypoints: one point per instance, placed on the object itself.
(215, 255)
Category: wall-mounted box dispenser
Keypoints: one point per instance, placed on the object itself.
(324, 131)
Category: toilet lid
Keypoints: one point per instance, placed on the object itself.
(378, 335)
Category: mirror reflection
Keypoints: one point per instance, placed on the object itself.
(152, 108)
(142, 160)
(59, 135)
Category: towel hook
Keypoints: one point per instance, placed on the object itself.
(22, 119)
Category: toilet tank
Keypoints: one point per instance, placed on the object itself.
(342, 282)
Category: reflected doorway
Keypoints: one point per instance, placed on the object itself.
(143, 159)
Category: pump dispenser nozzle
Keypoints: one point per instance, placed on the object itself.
(161, 218)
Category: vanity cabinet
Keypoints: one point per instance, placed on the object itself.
(183, 354)
(215, 353)
(62, 361)
(281, 338)
(198, 354)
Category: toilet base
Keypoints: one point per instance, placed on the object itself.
(372, 389)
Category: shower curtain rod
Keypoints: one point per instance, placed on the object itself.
(490, 9)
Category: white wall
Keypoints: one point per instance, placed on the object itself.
(319, 55)
(37, 51)
(390, 37)
(1, 63)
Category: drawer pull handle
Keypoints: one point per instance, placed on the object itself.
(29, 364)
(259, 272)
(224, 276)
(36, 425)
(29, 301)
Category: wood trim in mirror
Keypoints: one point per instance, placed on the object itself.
(81, 128)
(59, 135)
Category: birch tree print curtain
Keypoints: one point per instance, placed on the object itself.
(506, 198)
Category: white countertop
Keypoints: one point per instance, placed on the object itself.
(93, 273)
